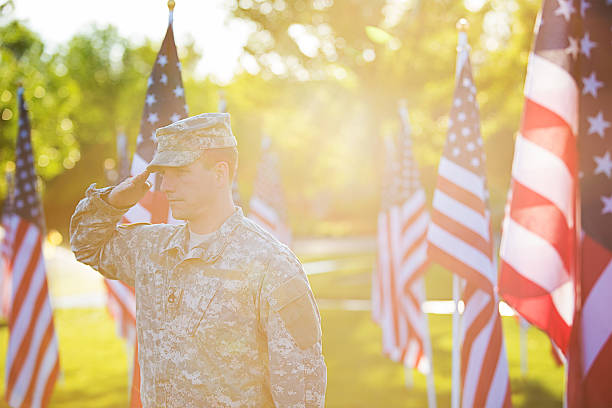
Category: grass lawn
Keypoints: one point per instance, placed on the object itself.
(94, 360)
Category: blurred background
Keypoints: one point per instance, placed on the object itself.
(322, 79)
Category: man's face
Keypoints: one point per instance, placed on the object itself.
(190, 189)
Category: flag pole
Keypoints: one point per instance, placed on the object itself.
(462, 49)
(171, 5)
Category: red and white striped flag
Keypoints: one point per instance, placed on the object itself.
(403, 257)
(460, 240)
(164, 104)
(383, 254)
(267, 206)
(6, 248)
(560, 280)
(32, 360)
(590, 355)
(538, 248)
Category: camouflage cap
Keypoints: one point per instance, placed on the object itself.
(182, 142)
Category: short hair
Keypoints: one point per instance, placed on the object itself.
(210, 157)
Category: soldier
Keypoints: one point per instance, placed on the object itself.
(225, 315)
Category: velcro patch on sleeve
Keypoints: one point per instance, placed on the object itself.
(293, 302)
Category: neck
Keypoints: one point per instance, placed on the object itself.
(213, 217)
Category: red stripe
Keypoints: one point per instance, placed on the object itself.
(595, 258)
(407, 223)
(24, 284)
(533, 303)
(542, 217)
(491, 358)
(456, 266)
(596, 389)
(458, 193)
(474, 329)
(42, 350)
(461, 232)
(24, 347)
(414, 246)
(549, 131)
(392, 280)
(22, 228)
(50, 383)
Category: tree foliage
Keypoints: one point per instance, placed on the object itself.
(321, 77)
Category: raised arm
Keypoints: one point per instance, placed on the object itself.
(95, 237)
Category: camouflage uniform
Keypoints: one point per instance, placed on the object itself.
(230, 323)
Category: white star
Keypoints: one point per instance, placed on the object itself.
(598, 125)
(186, 108)
(584, 5)
(153, 118)
(452, 137)
(591, 85)
(178, 65)
(607, 204)
(164, 79)
(461, 116)
(457, 102)
(150, 81)
(175, 117)
(565, 9)
(151, 99)
(470, 97)
(604, 164)
(475, 162)
(450, 122)
(162, 60)
(467, 82)
(573, 48)
(586, 45)
(470, 146)
(456, 151)
(466, 131)
(178, 91)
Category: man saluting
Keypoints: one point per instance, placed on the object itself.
(224, 313)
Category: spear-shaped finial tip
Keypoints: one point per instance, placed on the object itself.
(463, 25)
(171, 4)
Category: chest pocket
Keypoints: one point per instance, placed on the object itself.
(202, 296)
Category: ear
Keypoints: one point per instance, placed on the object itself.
(221, 173)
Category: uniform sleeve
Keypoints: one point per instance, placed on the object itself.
(291, 321)
(98, 241)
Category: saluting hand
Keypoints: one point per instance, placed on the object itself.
(129, 191)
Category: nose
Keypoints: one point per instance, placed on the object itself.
(167, 184)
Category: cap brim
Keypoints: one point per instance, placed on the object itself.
(172, 158)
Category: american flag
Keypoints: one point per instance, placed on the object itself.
(590, 355)
(383, 255)
(538, 249)
(267, 205)
(164, 104)
(460, 239)
(403, 257)
(32, 361)
(6, 248)
(565, 289)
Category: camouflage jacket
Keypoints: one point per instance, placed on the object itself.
(230, 323)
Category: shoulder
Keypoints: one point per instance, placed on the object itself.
(258, 247)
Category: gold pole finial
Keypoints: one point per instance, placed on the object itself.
(463, 25)
(171, 4)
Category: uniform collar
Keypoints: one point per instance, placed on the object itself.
(180, 240)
